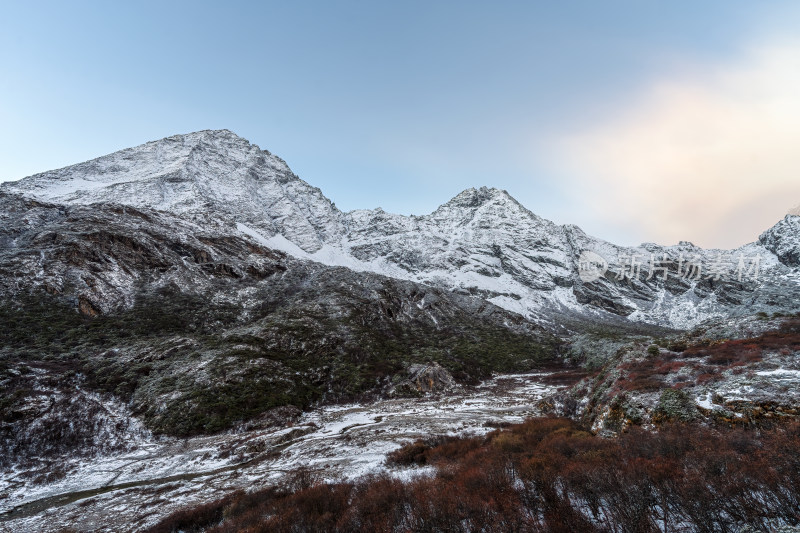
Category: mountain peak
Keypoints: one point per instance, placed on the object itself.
(208, 136)
(151, 160)
(487, 203)
(473, 197)
(207, 173)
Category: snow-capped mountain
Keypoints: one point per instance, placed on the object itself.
(482, 242)
(200, 176)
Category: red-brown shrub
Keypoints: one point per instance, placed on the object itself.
(707, 377)
(741, 352)
(549, 475)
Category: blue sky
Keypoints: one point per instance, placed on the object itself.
(404, 104)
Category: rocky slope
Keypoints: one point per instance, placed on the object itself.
(741, 371)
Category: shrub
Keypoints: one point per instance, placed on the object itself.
(548, 475)
(745, 351)
(674, 404)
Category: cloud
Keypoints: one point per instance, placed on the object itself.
(712, 157)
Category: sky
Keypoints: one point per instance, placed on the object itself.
(640, 121)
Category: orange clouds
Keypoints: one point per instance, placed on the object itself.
(714, 159)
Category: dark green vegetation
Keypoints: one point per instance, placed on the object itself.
(543, 475)
(190, 366)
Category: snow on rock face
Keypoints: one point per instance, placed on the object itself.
(202, 174)
(482, 242)
(485, 243)
(783, 240)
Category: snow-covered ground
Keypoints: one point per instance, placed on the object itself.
(131, 490)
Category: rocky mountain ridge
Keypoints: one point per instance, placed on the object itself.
(481, 243)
